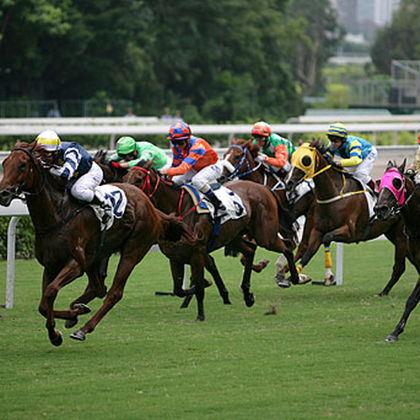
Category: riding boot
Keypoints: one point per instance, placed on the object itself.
(218, 205)
(99, 200)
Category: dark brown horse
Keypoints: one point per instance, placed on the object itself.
(112, 174)
(261, 223)
(239, 163)
(342, 213)
(68, 239)
(399, 195)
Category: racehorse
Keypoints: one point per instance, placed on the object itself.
(69, 241)
(113, 174)
(260, 222)
(342, 214)
(399, 195)
(239, 163)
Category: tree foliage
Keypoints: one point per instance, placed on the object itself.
(230, 60)
(400, 40)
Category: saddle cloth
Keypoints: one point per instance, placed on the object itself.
(233, 203)
(115, 198)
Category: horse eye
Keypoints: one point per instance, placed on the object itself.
(397, 183)
(306, 161)
(22, 167)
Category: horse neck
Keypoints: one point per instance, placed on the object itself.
(43, 206)
(166, 197)
(328, 183)
(411, 210)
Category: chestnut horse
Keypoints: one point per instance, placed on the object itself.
(239, 163)
(68, 238)
(342, 213)
(261, 223)
(399, 195)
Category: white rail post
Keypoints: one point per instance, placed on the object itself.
(11, 247)
(339, 263)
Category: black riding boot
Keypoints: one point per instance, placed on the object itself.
(218, 205)
(105, 207)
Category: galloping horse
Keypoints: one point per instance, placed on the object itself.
(399, 195)
(112, 174)
(342, 214)
(68, 239)
(239, 163)
(261, 223)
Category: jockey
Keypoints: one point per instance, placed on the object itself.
(358, 155)
(275, 151)
(131, 153)
(195, 161)
(72, 162)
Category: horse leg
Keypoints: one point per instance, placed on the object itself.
(400, 252)
(67, 274)
(95, 288)
(212, 269)
(128, 260)
(197, 274)
(411, 303)
(248, 252)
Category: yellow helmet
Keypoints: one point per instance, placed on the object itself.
(49, 140)
(337, 130)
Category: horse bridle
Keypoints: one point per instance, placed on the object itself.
(237, 168)
(34, 164)
(146, 183)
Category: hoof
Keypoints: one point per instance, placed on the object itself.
(200, 318)
(303, 279)
(284, 284)
(83, 309)
(227, 301)
(391, 338)
(250, 300)
(58, 340)
(330, 281)
(70, 323)
(78, 335)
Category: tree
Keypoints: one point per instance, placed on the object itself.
(314, 35)
(400, 40)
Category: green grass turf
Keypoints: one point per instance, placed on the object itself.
(323, 354)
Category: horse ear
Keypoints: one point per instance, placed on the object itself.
(401, 168)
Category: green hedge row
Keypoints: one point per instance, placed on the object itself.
(24, 238)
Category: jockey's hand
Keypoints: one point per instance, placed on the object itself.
(55, 171)
(261, 157)
(116, 165)
(163, 171)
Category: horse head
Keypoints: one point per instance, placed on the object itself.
(304, 165)
(111, 174)
(391, 191)
(19, 171)
(238, 160)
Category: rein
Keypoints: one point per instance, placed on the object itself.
(238, 167)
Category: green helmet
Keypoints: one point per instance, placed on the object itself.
(126, 145)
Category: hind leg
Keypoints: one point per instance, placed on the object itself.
(212, 269)
(248, 250)
(197, 274)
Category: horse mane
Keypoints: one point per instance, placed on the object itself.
(100, 156)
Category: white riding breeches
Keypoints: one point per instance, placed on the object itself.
(362, 170)
(83, 188)
(201, 178)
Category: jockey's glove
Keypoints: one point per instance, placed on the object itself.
(56, 171)
(261, 157)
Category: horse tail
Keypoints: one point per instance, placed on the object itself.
(174, 229)
(287, 221)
